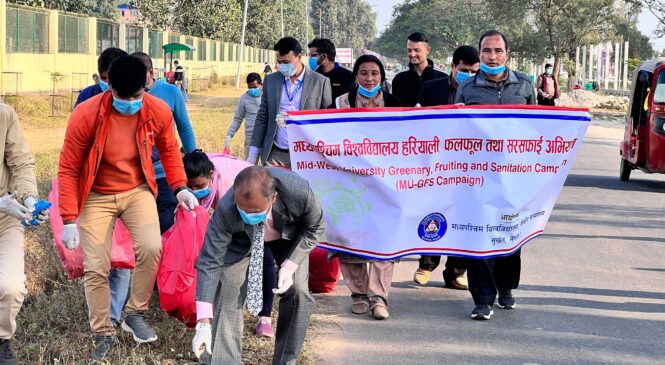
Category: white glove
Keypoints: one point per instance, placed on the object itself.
(280, 119)
(29, 203)
(187, 199)
(227, 141)
(284, 282)
(253, 155)
(70, 236)
(202, 338)
(12, 208)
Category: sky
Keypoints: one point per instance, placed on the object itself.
(646, 22)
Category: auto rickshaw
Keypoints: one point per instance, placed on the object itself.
(643, 145)
(169, 50)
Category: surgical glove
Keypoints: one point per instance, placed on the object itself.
(12, 208)
(70, 236)
(253, 155)
(187, 199)
(285, 281)
(29, 203)
(202, 340)
(227, 142)
(280, 119)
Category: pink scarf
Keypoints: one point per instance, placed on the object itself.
(210, 201)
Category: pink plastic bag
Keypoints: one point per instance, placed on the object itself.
(122, 249)
(176, 278)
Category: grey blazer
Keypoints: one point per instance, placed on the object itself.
(297, 214)
(316, 94)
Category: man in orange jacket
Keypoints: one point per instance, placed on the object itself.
(105, 172)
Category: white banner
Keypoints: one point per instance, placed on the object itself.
(344, 55)
(462, 181)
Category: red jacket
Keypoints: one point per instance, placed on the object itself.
(85, 140)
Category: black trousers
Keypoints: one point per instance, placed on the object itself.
(455, 266)
(488, 276)
(543, 101)
(166, 204)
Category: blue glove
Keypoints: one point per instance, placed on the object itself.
(39, 211)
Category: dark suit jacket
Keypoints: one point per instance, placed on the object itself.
(316, 94)
(436, 92)
(297, 214)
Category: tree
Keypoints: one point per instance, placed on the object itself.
(348, 23)
(657, 8)
(561, 25)
(450, 24)
(216, 19)
(103, 9)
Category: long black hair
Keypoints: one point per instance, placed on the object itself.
(197, 164)
(368, 58)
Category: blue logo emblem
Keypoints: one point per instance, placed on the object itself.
(432, 227)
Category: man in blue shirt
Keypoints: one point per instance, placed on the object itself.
(171, 95)
(103, 64)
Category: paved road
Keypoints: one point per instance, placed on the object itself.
(592, 290)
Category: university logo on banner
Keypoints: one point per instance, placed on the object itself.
(467, 181)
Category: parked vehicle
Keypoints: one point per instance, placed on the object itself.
(643, 146)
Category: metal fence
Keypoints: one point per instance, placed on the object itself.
(201, 50)
(72, 34)
(134, 39)
(155, 43)
(108, 35)
(27, 30)
(175, 38)
(189, 55)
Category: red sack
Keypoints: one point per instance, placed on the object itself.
(323, 273)
(122, 249)
(176, 279)
(170, 78)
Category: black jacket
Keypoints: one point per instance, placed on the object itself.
(406, 85)
(341, 80)
(437, 92)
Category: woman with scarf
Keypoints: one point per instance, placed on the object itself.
(210, 176)
(369, 280)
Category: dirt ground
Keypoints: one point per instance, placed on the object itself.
(52, 326)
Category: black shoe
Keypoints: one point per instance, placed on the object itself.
(482, 312)
(506, 300)
(7, 356)
(102, 345)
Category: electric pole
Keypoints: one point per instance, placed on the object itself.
(242, 45)
(282, 12)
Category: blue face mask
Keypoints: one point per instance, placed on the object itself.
(103, 85)
(549, 71)
(461, 76)
(312, 63)
(492, 71)
(127, 107)
(253, 218)
(202, 193)
(254, 92)
(369, 93)
(287, 69)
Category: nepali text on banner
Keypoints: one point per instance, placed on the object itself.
(464, 181)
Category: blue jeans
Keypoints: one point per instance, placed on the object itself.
(119, 283)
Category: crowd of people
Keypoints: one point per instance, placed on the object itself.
(121, 159)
